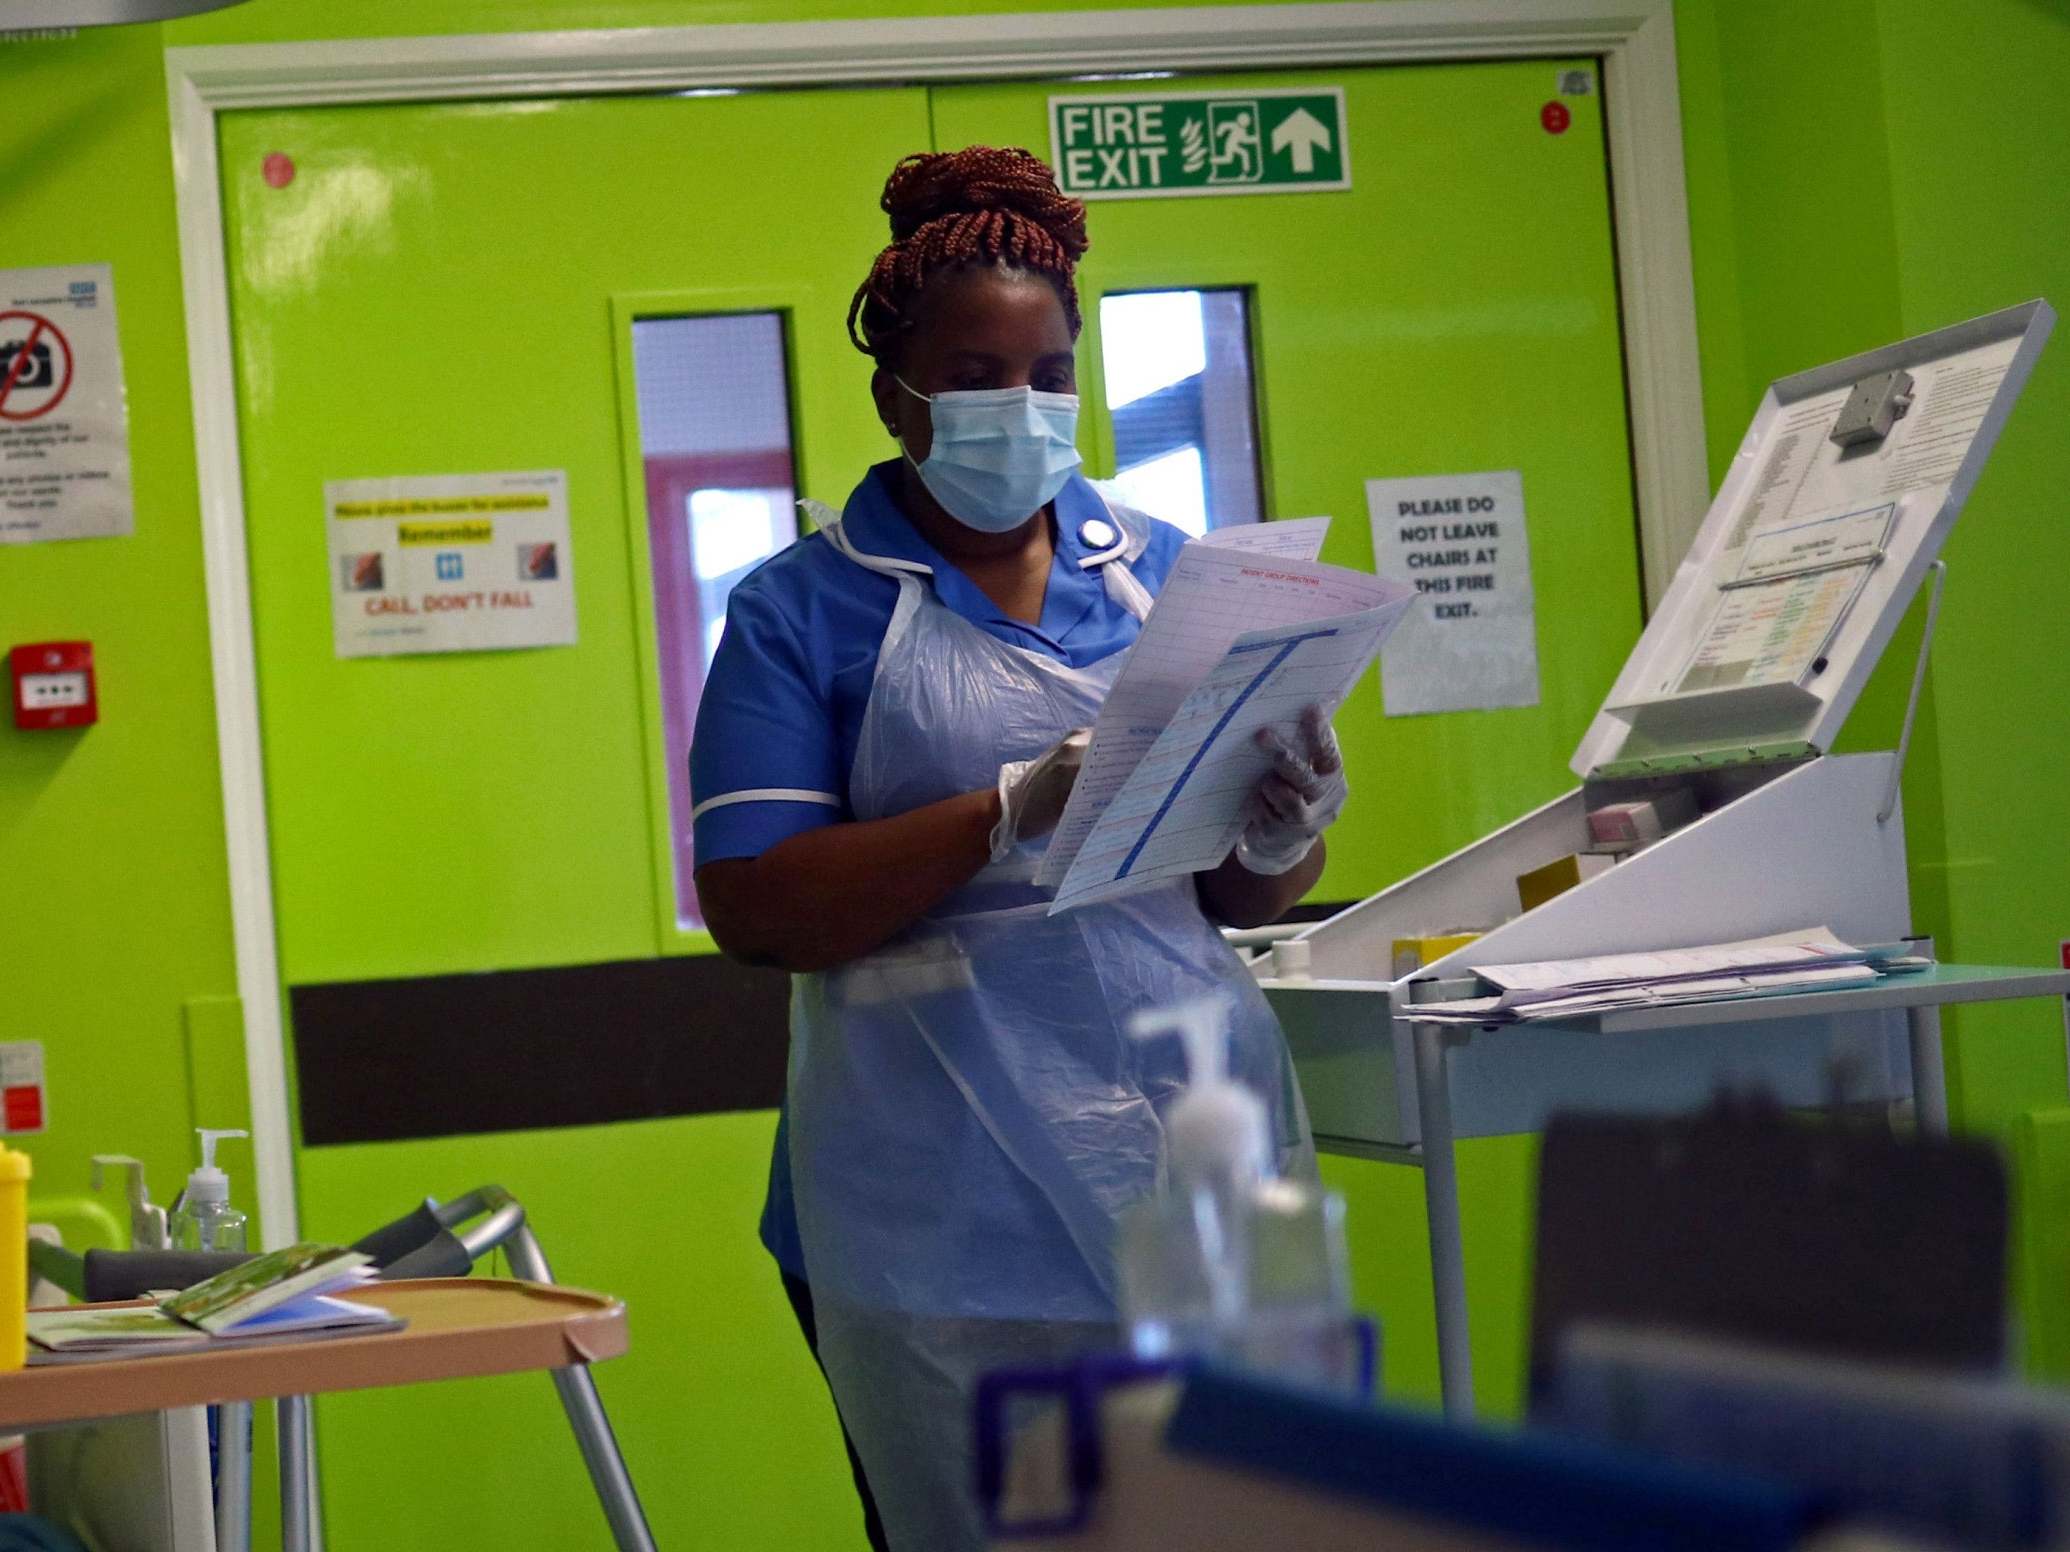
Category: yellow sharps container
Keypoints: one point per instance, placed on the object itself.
(14, 1255)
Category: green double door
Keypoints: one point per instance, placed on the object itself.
(447, 289)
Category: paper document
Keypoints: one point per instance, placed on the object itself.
(1770, 632)
(1804, 475)
(1184, 805)
(1237, 579)
(1950, 399)
(1297, 538)
(1464, 542)
(1716, 988)
(1811, 960)
(1819, 544)
(1814, 945)
(1779, 611)
(1797, 443)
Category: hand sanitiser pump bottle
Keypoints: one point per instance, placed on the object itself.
(1229, 1261)
(204, 1219)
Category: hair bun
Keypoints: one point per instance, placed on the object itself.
(980, 180)
(948, 209)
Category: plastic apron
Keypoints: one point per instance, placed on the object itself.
(969, 1116)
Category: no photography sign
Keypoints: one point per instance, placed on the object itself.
(35, 366)
(64, 418)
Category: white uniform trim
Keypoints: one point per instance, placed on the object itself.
(1114, 551)
(886, 565)
(1126, 591)
(1131, 525)
(764, 795)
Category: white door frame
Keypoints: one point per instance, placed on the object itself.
(1634, 39)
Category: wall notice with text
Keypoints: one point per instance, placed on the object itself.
(450, 563)
(64, 420)
(1470, 643)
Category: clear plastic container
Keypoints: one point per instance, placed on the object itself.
(204, 1219)
(1258, 1278)
(1229, 1261)
(208, 1226)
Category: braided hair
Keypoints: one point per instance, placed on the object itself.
(950, 209)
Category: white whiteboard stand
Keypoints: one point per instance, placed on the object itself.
(1790, 837)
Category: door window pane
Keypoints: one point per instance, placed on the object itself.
(715, 443)
(1177, 369)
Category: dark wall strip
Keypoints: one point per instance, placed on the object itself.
(513, 1050)
(443, 1056)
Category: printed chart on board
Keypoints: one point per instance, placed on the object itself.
(1819, 519)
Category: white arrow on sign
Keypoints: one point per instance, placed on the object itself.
(1303, 133)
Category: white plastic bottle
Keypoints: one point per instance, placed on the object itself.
(204, 1218)
(1230, 1261)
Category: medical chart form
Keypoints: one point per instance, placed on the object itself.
(1186, 802)
(1817, 523)
(1794, 586)
(1249, 579)
(1219, 587)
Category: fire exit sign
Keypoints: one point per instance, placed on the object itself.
(1163, 144)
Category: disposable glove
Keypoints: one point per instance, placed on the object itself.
(1300, 797)
(1032, 793)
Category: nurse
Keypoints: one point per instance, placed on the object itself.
(884, 740)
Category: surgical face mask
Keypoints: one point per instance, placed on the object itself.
(999, 455)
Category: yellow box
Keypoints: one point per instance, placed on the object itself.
(1412, 954)
(1556, 878)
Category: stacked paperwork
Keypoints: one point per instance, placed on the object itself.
(1248, 632)
(284, 1293)
(1810, 960)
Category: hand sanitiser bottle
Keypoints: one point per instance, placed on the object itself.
(204, 1218)
(1230, 1261)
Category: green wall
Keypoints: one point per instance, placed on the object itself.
(1860, 171)
(1792, 175)
(1761, 82)
(113, 896)
(1979, 158)
(1857, 171)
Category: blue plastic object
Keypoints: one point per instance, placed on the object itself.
(33, 1533)
(1080, 1388)
(1529, 1486)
